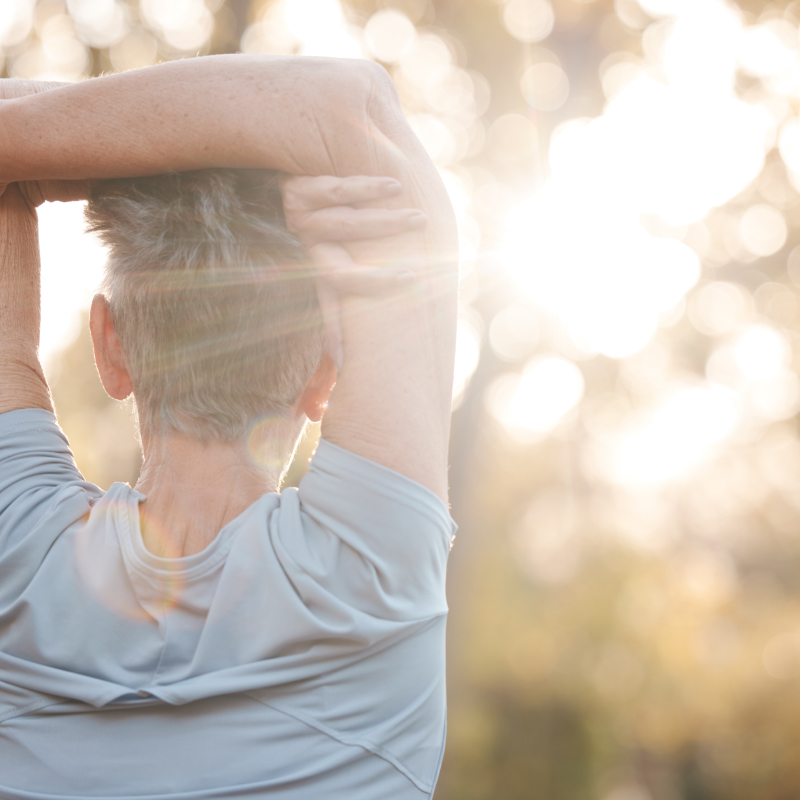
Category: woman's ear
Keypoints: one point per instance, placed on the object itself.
(314, 399)
(108, 356)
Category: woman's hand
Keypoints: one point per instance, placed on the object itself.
(325, 211)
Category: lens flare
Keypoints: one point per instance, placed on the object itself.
(95, 562)
(266, 443)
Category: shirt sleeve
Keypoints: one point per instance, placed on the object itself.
(38, 475)
(373, 537)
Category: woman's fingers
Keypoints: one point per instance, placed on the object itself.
(305, 193)
(320, 209)
(335, 269)
(342, 223)
(367, 280)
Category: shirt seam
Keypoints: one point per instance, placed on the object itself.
(145, 570)
(434, 507)
(28, 708)
(350, 741)
(443, 521)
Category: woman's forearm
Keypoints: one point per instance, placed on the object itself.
(36, 192)
(299, 115)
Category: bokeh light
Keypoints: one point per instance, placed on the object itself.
(100, 23)
(184, 24)
(513, 332)
(528, 20)
(545, 86)
(512, 138)
(761, 352)
(390, 35)
(677, 435)
(137, 49)
(762, 230)
(719, 307)
(608, 283)
(625, 176)
(533, 403)
(16, 21)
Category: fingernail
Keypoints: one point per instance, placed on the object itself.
(392, 187)
(417, 220)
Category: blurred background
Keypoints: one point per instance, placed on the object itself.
(625, 585)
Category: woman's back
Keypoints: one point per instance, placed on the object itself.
(300, 654)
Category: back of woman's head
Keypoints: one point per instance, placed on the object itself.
(211, 297)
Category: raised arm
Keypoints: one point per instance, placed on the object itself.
(22, 382)
(298, 115)
(302, 116)
(39, 191)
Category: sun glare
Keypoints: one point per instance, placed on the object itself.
(676, 435)
(673, 143)
(72, 266)
(596, 268)
(532, 404)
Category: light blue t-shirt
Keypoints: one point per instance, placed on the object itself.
(299, 656)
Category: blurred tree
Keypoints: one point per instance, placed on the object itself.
(613, 637)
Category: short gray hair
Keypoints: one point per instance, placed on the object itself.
(213, 300)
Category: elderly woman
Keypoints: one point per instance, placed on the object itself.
(203, 635)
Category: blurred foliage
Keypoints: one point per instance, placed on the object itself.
(625, 599)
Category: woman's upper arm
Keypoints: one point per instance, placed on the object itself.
(392, 399)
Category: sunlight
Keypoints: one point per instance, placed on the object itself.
(101, 23)
(72, 267)
(390, 35)
(468, 347)
(763, 230)
(532, 404)
(184, 24)
(307, 27)
(761, 352)
(545, 86)
(610, 282)
(673, 142)
(719, 307)
(768, 49)
(528, 20)
(624, 177)
(676, 435)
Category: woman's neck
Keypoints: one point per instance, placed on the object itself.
(194, 489)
